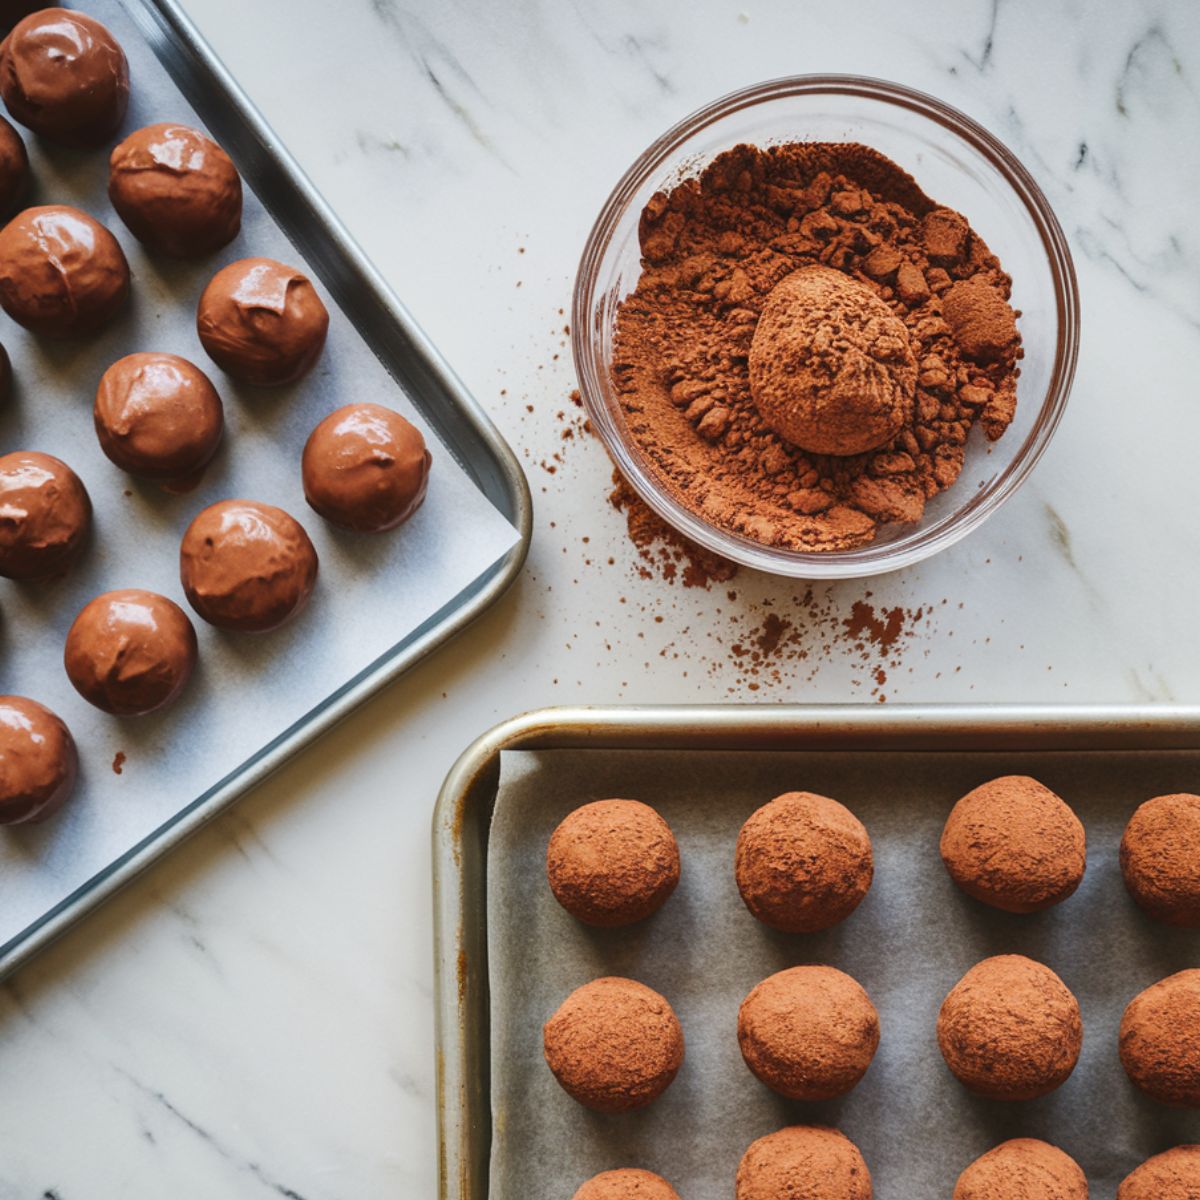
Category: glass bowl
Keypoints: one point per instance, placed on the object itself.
(956, 162)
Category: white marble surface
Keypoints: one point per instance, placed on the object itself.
(254, 1017)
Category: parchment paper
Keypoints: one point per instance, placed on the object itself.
(909, 942)
(371, 592)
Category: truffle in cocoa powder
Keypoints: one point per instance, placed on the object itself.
(38, 761)
(803, 1162)
(1160, 859)
(626, 1184)
(1023, 1169)
(1160, 1040)
(1172, 1175)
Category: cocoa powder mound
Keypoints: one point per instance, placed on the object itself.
(714, 248)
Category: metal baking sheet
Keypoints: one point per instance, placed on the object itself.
(381, 603)
(916, 1126)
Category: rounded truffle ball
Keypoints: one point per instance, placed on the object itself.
(803, 1162)
(246, 566)
(1010, 1029)
(262, 322)
(626, 1184)
(1022, 1169)
(803, 862)
(612, 862)
(14, 168)
(158, 416)
(45, 514)
(1160, 859)
(177, 190)
(1015, 845)
(64, 75)
(1172, 1175)
(38, 761)
(62, 274)
(1160, 1040)
(130, 652)
(809, 1032)
(614, 1045)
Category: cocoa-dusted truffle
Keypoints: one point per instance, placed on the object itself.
(38, 761)
(614, 1045)
(14, 168)
(176, 189)
(45, 514)
(626, 1184)
(365, 468)
(803, 862)
(62, 274)
(1023, 1169)
(803, 1162)
(1172, 1175)
(64, 75)
(246, 565)
(1015, 845)
(158, 416)
(612, 862)
(808, 1032)
(1160, 859)
(262, 322)
(1010, 1029)
(1160, 1040)
(130, 652)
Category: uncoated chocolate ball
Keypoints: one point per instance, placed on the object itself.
(1160, 1040)
(1160, 859)
(803, 862)
(1022, 1169)
(626, 1184)
(1010, 1029)
(1015, 845)
(803, 1162)
(612, 862)
(1172, 1175)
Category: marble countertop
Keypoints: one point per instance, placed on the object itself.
(254, 1017)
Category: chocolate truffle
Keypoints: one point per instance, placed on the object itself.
(14, 168)
(1022, 1169)
(1010, 1029)
(44, 515)
(176, 189)
(63, 75)
(262, 322)
(246, 565)
(365, 468)
(627, 1184)
(62, 274)
(803, 1162)
(130, 652)
(1160, 859)
(158, 416)
(614, 1045)
(1160, 1040)
(1013, 844)
(1172, 1175)
(38, 761)
(808, 1033)
(612, 862)
(803, 862)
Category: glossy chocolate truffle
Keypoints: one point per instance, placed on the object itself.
(612, 862)
(614, 1045)
(38, 761)
(1160, 859)
(1022, 1169)
(626, 1184)
(130, 652)
(62, 274)
(262, 322)
(1015, 845)
(246, 565)
(1160, 1040)
(158, 416)
(176, 189)
(44, 515)
(14, 168)
(803, 1162)
(803, 863)
(63, 75)
(1010, 1029)
(1172, 1175)
(365, 468)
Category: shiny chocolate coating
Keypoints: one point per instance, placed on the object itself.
(158, 416)
(365, 468)
(14, 168)
(38, 761)
(44, 515)
(176, 189)
(246, 566)
(62, 274)
(63, 75)
(262, 322)
(130, 652)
